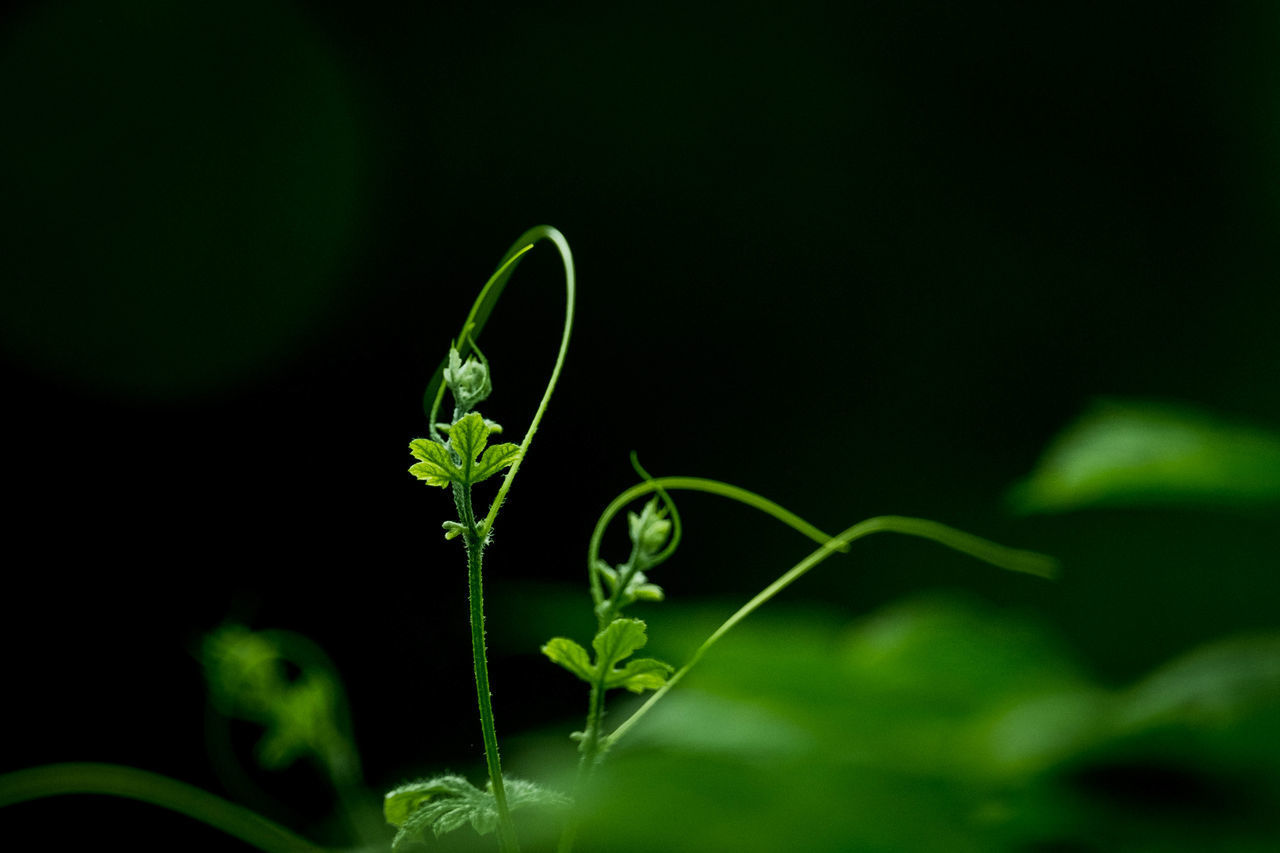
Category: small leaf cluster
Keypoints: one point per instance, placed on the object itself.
(618, 638)
(463, 460)
(445, 803)
(613, 645)
(627, 582)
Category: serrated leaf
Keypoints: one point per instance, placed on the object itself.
(467, 439)
(571, 656)
(494, 460)
(434, 464)
(618, 641)
(640, 675)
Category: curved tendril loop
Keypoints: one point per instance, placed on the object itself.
(477, 317)
(474, 325)
(677, 529)
(694, 484)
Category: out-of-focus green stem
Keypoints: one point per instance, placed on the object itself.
(53, 780)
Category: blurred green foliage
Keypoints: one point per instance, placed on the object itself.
(285, 684)
(301, 708)
(939, 724)
(1128, 453)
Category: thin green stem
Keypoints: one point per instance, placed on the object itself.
(53, 780)
(1028, 562)
(475, 547)
(476, 535)
(610, 613)
(533, 235)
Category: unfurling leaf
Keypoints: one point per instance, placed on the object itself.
(649, 529)
(468, 381)
(638, 587)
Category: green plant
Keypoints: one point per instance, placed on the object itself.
(461, 461)
(306, 716)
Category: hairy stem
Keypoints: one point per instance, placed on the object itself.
(475, 547)
(53, 780)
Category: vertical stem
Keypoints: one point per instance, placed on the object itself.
(586, 763)
(475, 545)
(593, 736)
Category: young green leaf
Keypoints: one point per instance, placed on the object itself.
(571, 656)
(612, 645)
(617, 642)
(467, 439)
(434, 464)
(638, 587)
(649, 530)
(640, 675)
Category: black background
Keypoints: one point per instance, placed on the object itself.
(861, 258)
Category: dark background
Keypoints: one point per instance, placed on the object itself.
(861, 258)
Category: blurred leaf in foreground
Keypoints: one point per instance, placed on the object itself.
(1127, 453)
(945, 725)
